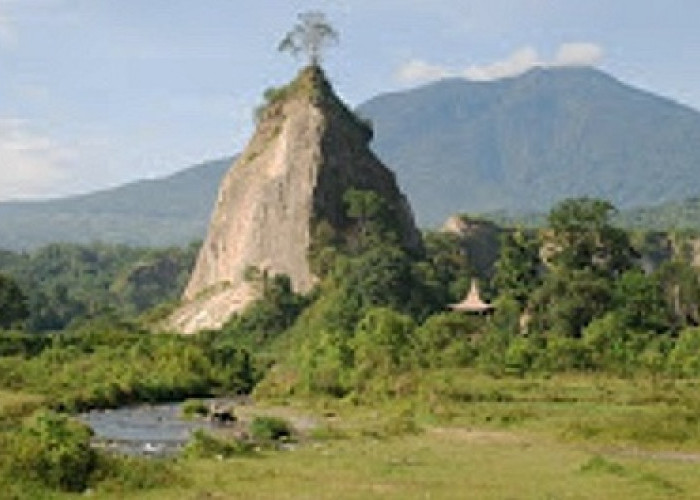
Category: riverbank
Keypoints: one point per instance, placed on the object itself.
(464, 435)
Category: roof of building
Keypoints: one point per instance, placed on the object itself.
(473, 302)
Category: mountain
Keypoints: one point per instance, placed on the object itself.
(286, 196)
(511, 145)
(170, 211)
(521, 144)
(683, 214)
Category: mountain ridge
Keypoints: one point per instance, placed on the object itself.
(524, 142)
(453, 148)
(152, 212)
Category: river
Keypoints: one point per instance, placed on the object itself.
(155, 430)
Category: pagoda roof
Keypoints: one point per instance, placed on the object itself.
(472, 302)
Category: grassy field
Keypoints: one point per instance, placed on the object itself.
(439, 463)
(14, 405)
(464, 435)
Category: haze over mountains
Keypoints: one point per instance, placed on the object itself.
(173, 210)
(517, 144)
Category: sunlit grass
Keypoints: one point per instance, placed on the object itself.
(460, 434)
(14, 405)
(439, 463)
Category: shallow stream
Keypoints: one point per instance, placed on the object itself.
(157, 430)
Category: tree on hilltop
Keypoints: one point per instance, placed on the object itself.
(310, 35)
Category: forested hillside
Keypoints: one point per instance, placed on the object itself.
(523, 143)
(173, 210)
(65, 284)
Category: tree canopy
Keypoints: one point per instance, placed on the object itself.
(310, 36)
(581, 236)
(13, 303)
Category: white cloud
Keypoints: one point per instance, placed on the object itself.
(520, 61)
(417, 70)
(578, 54)
(31, 164)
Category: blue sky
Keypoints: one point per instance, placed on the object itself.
(94, 93)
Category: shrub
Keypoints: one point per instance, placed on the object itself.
(382, 343)
(684, 359)
(564, 354)
(264, 428)
(193, 408)
(204, 445)
(613, 346)
(325, 363)
(444, 340)
(54, 450)
(519, 356)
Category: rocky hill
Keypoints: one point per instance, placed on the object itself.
(307, 152)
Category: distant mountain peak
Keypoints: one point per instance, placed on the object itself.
(525, 142)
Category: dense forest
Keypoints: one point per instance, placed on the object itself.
(578, 296)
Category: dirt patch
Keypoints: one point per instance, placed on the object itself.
(665, 456)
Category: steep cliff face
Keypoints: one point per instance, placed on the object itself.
(307, 151)
(480, 240)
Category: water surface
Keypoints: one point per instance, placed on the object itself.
(143, 430)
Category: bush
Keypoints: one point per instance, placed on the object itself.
(444, 341)
(204, 445)
(325, 361)
(54, 450)
(684, 359)
(613, 346)
(266, 429)
(382, 344)
(519, 356)
(22, 344)
(564, 354)
(83, 371)
(193, 408)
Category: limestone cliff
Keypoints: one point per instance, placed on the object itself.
(307, 151)
(479, 239)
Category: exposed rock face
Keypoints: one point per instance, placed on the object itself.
(307, 151)
(479, 239)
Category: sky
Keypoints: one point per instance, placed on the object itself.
(96, 93)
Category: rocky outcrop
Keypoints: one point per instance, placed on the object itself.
(480, 240)
(307, 151)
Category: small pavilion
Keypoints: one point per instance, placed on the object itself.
(472, 303)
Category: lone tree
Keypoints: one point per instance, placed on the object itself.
(310, 36)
